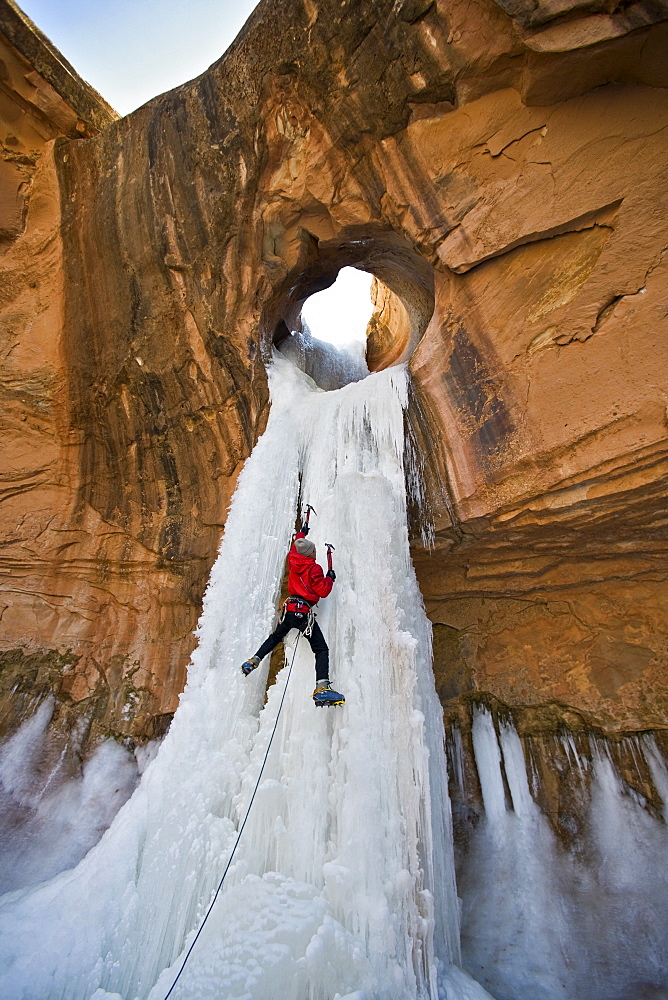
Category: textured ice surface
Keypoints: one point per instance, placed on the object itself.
(329, 369)
(330, 895)
(50, 818)
(331, 889)
(541, 923)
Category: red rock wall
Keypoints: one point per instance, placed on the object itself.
(502, 172)
(546, 373)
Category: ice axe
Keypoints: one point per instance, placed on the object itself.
(305, 524)
(330, 549)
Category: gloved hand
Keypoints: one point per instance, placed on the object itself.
(305, 528)
(331, 574)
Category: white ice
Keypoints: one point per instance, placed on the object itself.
(343, 881)
(50, 817)
(329, 369)
(543, 923)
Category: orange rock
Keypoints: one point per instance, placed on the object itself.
(501, 169)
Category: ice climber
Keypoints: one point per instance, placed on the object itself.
(306, 585)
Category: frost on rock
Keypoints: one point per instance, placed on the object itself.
(343, 881)
(541, 922)
(50, 819)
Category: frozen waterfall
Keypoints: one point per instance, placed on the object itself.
(343, 881)
(542, 922)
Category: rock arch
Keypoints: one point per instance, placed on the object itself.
(404, 291)
(512, 159)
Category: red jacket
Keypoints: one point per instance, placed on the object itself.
(305, 578)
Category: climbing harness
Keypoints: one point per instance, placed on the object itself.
(241, 828)
(297, 605)
(300, 608)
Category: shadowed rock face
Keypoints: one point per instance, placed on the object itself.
(501, 169)
(41, 97)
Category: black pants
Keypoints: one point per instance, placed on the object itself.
(316, 642)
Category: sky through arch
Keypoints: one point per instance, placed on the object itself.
(340, 314)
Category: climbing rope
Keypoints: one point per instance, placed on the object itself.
(241, 828)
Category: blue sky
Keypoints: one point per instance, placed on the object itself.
(132, 50)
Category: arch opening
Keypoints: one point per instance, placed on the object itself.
(339, 315)
(330, 343)
(401, 290)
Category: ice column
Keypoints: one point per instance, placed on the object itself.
(343, 880)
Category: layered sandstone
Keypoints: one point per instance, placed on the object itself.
(501, 169)
(41, 97)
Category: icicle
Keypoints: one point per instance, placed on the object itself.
(568, 743)
(533, 770)
(657, 766)
(488, 763)
(515, 768)
(456, 755)
(540, 923)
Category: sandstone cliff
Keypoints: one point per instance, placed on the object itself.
(501, 169)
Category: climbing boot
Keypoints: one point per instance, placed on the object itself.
(249, 665)
(325, 695)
